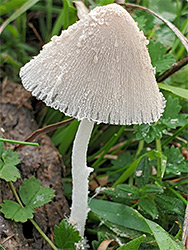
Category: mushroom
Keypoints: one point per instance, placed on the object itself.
(98, 70)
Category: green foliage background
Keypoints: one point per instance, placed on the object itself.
(147, 179)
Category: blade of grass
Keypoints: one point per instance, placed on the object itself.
(67, 136)
(18, 13)
(129, 171)
(19, 142)
(43, 28)
(106, 148)
(183, 29)
(49, 16)
(178, 132)
(159, 165)
(175, 90)
(112, 172)
(8, 59)
(10, 6)
(70, 16)
(58, 24)
(42, 8)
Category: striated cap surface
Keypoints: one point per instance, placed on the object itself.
(98, 69)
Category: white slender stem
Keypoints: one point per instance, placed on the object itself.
(80, 174)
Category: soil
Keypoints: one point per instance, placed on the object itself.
(43, 162)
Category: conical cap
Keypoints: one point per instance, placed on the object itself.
(99, 69)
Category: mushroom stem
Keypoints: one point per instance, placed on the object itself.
(80, 174)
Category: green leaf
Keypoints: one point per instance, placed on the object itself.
(176, 163)
(10, 157)
(141, 20)
(123, 160)
(170, 204)
(147, 132)
(148, 206)
(14, 211)
(8, 160)
(146, 25)
(105, 2)
(170, 119)
(164, 241)
(151, 189)
(127, 192)
(119, 214)
(69, 11)
(165, 35)
(1, 148)
(167, 8)
(175, 90)
(154, 154)
(122, 193)
(133, 244)
(8, 172)
(33, 194)
(125, 216)
(129, 171)
(159, 58)
(65, 137)
(142, 172)
(123, 231)
(66, 236)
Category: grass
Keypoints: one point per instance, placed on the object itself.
(158, 147)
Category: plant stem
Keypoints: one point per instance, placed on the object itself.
(15, 193)
(43, 234)
(159, 149)
(32, 221)
(139, 149)
(134, 205)
(176, 194)
(19, 142)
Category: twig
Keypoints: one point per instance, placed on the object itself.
(175, 134)
(174, 68)
(8, 238)
(36, 33)
(107, 156)
(177, 137)
(44, 130)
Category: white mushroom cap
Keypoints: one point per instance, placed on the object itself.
(98, 69)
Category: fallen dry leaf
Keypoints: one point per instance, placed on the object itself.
(104, 245)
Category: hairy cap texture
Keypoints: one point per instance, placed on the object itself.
(98, 69)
